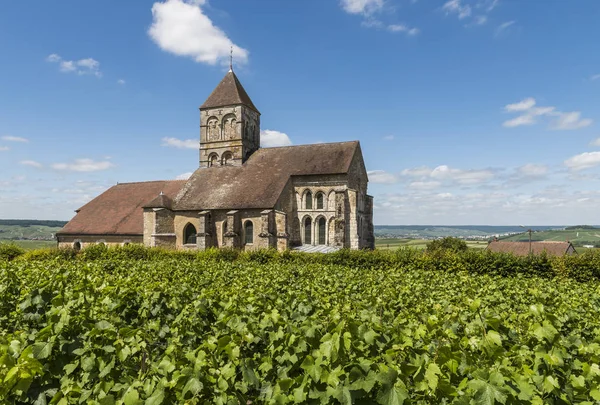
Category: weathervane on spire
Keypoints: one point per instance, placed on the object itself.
(231, 59)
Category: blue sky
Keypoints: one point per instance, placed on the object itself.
(468, 111)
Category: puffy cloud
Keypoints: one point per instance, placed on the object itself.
(9, 138)
(87, 66)
(181, 143)
(270, 139)
(424, 185)
(181, 27)
(530, 113)
(595, 77)
(382, 177)
(403, 28)
(121, 81)
(31, 163)
(83, 165)
(361, 6)
(583, 161)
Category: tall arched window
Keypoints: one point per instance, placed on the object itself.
(227, 158)
(189, 234)
(308, 200)
(322, 228)
(248, 232)
(213, 159)
(307, 231)
(319, 199)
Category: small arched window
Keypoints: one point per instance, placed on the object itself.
(77, 246)
(227, 158)
(319, 199)
(213, 159)
(189, 235)
(248, 232)
(308, 200)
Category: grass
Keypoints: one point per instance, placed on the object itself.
(396, 243)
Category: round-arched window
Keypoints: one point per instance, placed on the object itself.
(227, 158)
(308, 201)
(77, 246)
(248, 232)
(213, 159)
(189, 234)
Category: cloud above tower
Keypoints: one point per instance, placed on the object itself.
(182, 28)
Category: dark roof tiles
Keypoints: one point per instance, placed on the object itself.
(118, 211)
(229, 92)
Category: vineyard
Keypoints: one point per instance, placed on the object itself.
(136, 326)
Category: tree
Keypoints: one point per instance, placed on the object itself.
(447, 244)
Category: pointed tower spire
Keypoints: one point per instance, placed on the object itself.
(231, 59)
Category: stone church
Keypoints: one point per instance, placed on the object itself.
(311, 197)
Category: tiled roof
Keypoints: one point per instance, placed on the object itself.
(229, 92)
(522, 248)
(118, 211)
(161, 201)
(259, 182)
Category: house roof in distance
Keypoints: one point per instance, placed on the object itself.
(259, 182)
(118, 211)
(551, 248)
(229, 92)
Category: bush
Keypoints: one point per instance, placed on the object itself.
(10, 251)
(49, 254)
(447, 244)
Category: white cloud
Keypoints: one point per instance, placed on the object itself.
(595, 142)
(83, 165)
(181, 27)
(184, 176)
(533, 170)
(460, 176)
(583, 161)
(381, 177)
(181, 143)
(388, 138)
(458, 8)
(523, 105)
(87, 66)
(9, 138)
(570, 120)
(422, 171)
(270, 138)
(4, 148)
(530, 114)
(31, 163)
(121, 81)
(503, 27)
(424, 185)
(362, 6)
(403, 28)
(595, 77)
(480, 20)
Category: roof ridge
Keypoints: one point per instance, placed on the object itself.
(148, 181)
(309, 144)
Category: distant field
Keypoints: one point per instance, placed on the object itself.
(396, 243)
(578, 237)
(31, 244)
(27, 232)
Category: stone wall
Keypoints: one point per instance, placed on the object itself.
(68, 241)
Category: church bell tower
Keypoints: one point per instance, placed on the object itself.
(229, 125)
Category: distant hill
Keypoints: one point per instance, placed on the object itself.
(578, 236)
(28, 229)
(458, 231)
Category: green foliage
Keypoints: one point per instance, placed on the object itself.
(146, 326)
(447, 244)
(10, 251)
